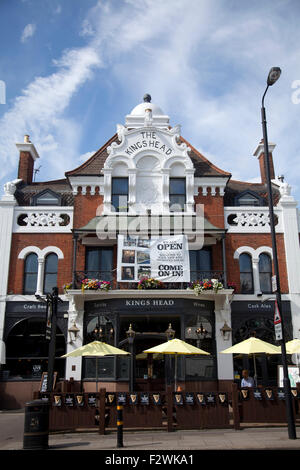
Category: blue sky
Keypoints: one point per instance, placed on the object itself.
(73, 69)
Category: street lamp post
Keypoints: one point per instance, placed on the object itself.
(131, 335)
(273, 76)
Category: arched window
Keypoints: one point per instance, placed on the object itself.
(30, 273)
(27, 351)
(265, 273)
(50, 273)
(246, 274)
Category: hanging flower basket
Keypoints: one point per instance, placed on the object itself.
(207, 284)
(150, 283)
(231, 285)
(94, 284)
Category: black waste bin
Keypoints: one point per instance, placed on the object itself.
(36, 425)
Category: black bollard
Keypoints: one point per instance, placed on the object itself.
(120, 425)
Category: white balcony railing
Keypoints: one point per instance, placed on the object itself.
(43, 219)
(245, 219)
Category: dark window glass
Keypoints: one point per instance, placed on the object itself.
(248, 199)
(47, 199)
(101, 367)
(119, 194)
(99, 263)
(246, 274)
(200, 264)
(177, 194)
(30, 274)
(265, 273)
(27, 351)
(50, 273)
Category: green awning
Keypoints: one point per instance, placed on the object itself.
(187, 224)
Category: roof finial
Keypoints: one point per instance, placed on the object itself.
(147, 98)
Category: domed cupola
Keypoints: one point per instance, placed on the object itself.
(147, 114)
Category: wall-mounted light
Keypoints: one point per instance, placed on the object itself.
(226, 331)
(170, 332)
(201, 331)
(73, 332)
(130, 333)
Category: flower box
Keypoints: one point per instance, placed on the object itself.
(205, 285)
(94, 284)
(150, 283)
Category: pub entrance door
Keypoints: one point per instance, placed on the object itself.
(151, 371)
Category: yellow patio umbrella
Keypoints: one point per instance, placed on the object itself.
(253, 346)
(176, 346)
(96, 349)
(293, 346)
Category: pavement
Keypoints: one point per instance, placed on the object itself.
(154, 444)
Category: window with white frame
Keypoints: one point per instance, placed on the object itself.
(246, 274)
(255, 269)
(265, 273)
(30, 274)
(40, 269)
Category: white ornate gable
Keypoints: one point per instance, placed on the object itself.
(149, 156)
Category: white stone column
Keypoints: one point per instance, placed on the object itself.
(255, 267)
(40, 277)
(290, 217)
(75, 313)
(222, 314)
(7, 206)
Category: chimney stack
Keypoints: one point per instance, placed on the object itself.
(28, 155)
(259, 153)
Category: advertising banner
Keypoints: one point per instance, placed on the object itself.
(163, 258)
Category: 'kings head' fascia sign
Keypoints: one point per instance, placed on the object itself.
(148, 141)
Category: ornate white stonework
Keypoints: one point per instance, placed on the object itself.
(250, 220)
(43, 219)
(149, 157)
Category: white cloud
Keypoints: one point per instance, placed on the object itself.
(39, 112)
(28, 32)
(85, 156)
(86, 29)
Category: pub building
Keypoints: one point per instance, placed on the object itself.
(100, 227)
